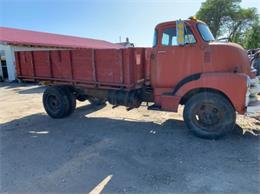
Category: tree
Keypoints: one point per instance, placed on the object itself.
(216, 12)
(227, 19)
(239, 22)
(252, 37)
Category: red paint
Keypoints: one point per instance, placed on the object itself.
(222, 67)
(223, 82)
(113, 67)
(33, 38)
(218, 63)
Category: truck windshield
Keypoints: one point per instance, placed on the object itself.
(205, 32)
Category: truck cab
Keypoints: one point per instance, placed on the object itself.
(199, 52)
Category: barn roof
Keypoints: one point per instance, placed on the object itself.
(32, 38)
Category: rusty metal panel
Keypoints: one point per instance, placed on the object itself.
(17, 63)
(128, 71)
(99, 67)
(26, 63)
(139, 64)
(148, 53)
(41, 61)
(60, 64)
(108, 65)
(82, 64)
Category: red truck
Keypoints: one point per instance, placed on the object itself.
(185, 66)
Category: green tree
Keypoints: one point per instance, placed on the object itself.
(216, 12)
(252, 37)
(239, 22)
(227, 19)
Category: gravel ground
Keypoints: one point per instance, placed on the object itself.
(138, 151)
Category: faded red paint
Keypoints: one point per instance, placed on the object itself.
(33, 38)
(103, 67)
(221, 66)
(223, 82)
(218, 63)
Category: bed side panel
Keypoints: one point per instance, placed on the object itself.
(109, 65)
(83, 64)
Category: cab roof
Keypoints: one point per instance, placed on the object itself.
(189, 21)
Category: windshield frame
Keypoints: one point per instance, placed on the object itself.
(155, 38)
(201, 34)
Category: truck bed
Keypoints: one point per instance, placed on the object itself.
(127, 68)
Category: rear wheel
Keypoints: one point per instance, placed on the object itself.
(209, 115)
(58, 101)
(71, 98)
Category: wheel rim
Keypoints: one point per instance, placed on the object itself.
(53, 103)
(207, 116)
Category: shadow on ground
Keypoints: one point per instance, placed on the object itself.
(72, 155)
(17, 87)
(38, 89)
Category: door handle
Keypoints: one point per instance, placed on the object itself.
(162, 51)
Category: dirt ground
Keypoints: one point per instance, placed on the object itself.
(117, 151)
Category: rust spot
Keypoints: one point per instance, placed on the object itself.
(207, 57)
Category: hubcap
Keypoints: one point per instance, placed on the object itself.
(53, 102)
(207, 116)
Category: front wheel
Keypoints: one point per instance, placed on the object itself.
(209, 115)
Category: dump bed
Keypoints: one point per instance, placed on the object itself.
(103, 68)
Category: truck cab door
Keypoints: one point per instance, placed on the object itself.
(172, 62)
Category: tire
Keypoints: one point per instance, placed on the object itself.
(56, 102)
(96, 101)
(71, 98)
(209, 115)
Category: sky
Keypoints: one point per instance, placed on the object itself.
(99, 19)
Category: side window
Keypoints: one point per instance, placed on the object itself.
(189, 37)
(169, 37)
(165, 39)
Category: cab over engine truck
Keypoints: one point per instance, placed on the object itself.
(185, 66)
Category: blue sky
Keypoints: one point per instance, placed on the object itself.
(100, 19)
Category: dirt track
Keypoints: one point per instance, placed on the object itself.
(142, 151)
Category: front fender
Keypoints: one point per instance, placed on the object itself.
(233, 85)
